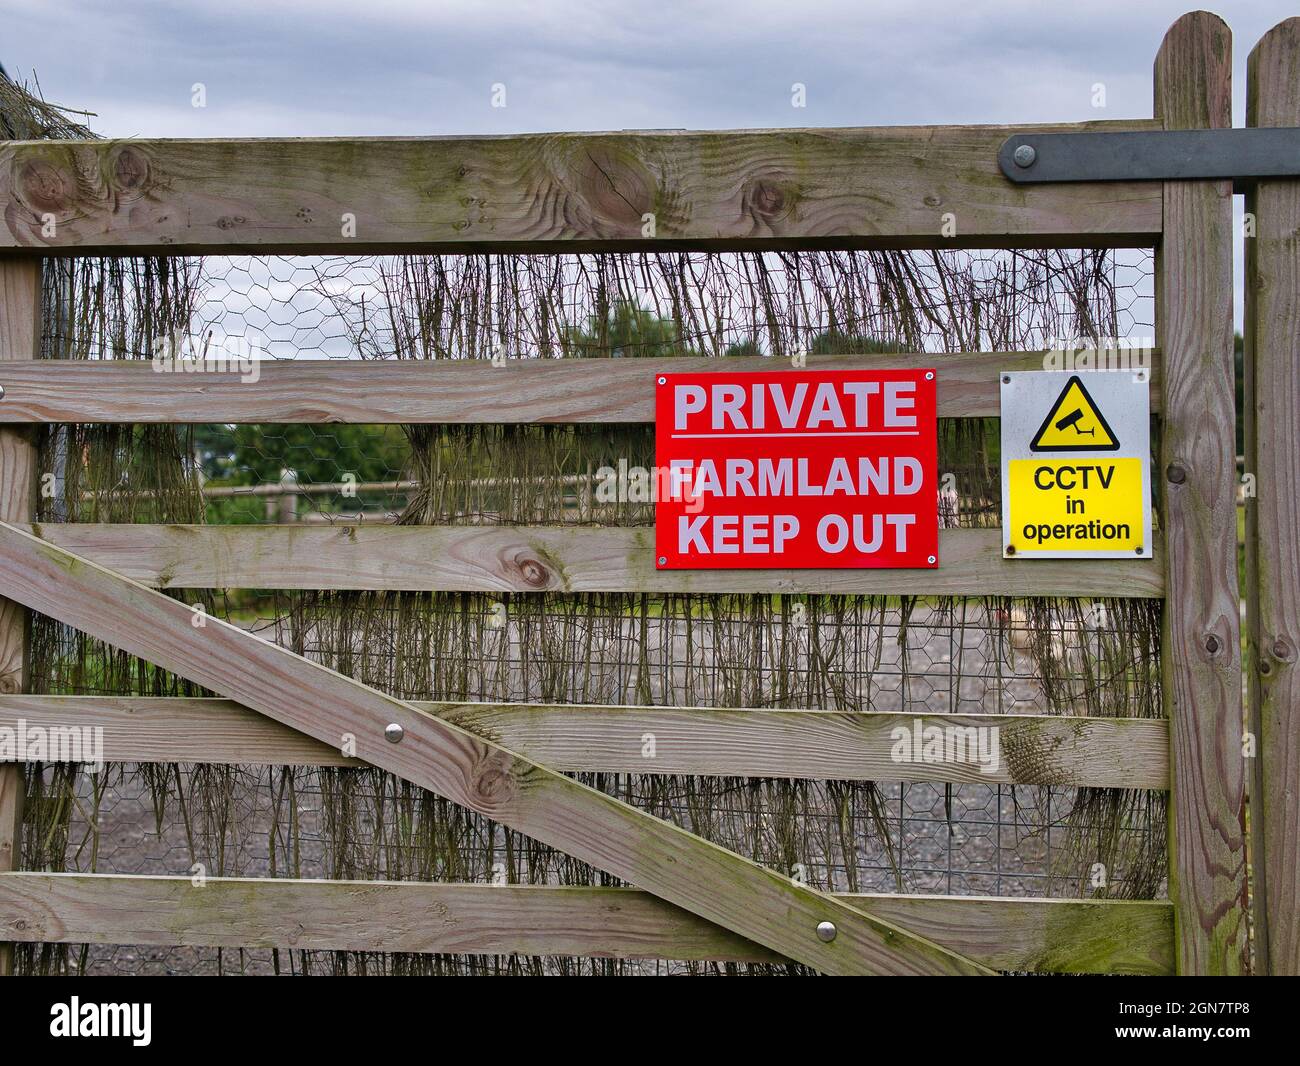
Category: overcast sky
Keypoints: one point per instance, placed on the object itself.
(340, 67)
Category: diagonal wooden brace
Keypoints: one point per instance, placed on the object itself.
(669, 862)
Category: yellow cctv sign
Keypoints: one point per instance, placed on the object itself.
(1075, 464)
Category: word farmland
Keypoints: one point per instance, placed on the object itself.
(797, 469)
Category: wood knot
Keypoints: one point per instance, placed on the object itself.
(769, 198)
(9, 684)
(615, 187)
(130, 170)
(1282, 649)
(45, 186)
(493, 782)
(532, 571)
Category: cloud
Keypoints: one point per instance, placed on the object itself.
(399, 66)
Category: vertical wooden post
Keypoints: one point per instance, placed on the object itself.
(20, 338)
(1202, 627)
(1272, 402)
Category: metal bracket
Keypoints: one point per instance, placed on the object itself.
(1240, 155)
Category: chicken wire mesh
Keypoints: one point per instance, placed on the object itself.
(849, 654)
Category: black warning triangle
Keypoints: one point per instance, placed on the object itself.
(1074, 424)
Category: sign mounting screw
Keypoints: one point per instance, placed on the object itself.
(1025, 155)
(826, 932)
(663, 381)
(393, 733)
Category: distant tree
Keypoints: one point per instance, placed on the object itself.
(834, 342)
(627, 332)
(745, 347)
(260, 454)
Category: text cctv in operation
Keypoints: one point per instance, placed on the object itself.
(849, 407)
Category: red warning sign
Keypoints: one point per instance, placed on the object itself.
(796, 469)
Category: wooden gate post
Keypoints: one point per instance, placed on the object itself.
(1272, 407)
(20, 338)
(1202, 626)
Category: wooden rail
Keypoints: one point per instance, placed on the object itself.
(1272, 403)
(1202, 633)
(640, 191)
(442, 391)
(20, 338)
(551, 558)
(1049, 935)
(740, 742)
(476, 772)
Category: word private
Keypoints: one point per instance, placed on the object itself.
(797, 469)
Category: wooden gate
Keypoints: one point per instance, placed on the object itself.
(796, 189)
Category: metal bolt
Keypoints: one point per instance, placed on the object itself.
(1138, 550)
(826, 932)
(1006, 379)
(1176, 474)
(393, 733)
(1025, 155)
(1011, 549)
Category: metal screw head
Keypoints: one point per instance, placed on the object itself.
(1006, 379)
(2, 392)
(663, 381)
(393, 733)
(1024, 155)
(932, 560)
(929, 375)
(663, 560)
(826, 932)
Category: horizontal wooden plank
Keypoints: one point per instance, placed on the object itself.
(436, 390)
(1045, 935)
(552, 558)
(1029, 749)
(736, 189)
